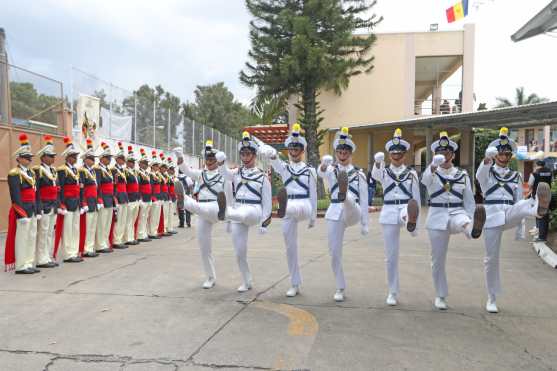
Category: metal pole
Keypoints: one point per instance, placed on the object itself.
(135, 118)
(71, 95)
(193, 137)
(154, 121)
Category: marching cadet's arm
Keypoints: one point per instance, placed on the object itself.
(82, 199)
(98, 178)
(14, 184)
(378, 171)
(38, 203)
(520, 232)
(226, 172)
(364, 213)
(190, 171)
(313, 195)
(469, 202)
(482, 174)
(279, 166)
(416, 195)
(266, 199)
(427, 177)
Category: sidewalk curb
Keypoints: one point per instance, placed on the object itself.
(545, 253)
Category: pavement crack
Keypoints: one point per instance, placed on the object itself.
(219, 366)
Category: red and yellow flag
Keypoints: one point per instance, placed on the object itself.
(457, 11)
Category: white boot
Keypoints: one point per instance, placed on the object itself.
(339, 295)
(391, 299)
(491, 306)
(293, 291)
(440, 303)
(209, 283)
(244, 287)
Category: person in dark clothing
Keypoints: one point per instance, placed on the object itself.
(371, 186)
(541, 174)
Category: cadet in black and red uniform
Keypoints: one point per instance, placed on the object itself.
(121, 195)
(89, 200)
(132, 187)
(22, 224)
(146, 192)
(173, 209)
(47, 193)
(156, 198)
(165, 197)
(105, 200)
(67, 223)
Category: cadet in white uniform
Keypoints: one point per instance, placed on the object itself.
(451, 209)
(401, 200)
(505, 206)
(252, 201)
(209, 183)
(348, 192)
(297, 200)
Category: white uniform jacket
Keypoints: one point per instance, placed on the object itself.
(357, 187)
(400, 185)
(450, 193)
(501, 188)
(300, 182)
(251, 187)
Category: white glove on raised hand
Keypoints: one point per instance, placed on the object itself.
(491, 152)
(100, 206)
(270, 151)
(220, 156)
(178, 151)
(438, 160)
(62, 211)
(379, 157)
(24, 220)
(262, 230)
(327, 160)
(365, 230)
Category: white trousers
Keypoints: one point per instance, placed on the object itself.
(439, 240)
(133, 211)
(166, 214)
(240, 240)
(25, 243)
(120, 224)
(173, 210)
(492, 237)
(296, 211)
(104, 221)
(350, 215)
(154, 218)
(142, 223)
(245, 214)
(91, 222)
(70, 235)
(207, 213)
(45, 238)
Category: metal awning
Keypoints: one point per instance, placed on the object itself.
(529, 115)
(544, 21)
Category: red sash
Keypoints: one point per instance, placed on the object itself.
(48, 193)
(71, 191)
(171, 190)
(132, 187)
(156, 188)
(27, 195)
(145, 189)
(90, 191)
(121, 187)
(107, 189)
(164, 188)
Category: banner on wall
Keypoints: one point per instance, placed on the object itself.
(88, 119)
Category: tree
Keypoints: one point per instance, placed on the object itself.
(299, 47)
(216, 107)
(520, 99)
(270, 110)
(28, 104)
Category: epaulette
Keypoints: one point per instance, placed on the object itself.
(61, 168)
(14, 172)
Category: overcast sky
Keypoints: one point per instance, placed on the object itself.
(183, 43)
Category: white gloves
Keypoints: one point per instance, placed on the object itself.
(262, 230)
(220, 156)
(39, 216)
(62, 211)
(327, 160)
(311, 223)
(100, 206)
(365, 230)
(269, 151)
(438, 160)
(491, 152)
(178, 151)
(83, 210)
(24, 220)
(379, 157)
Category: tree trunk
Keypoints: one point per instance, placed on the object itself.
(310, 125)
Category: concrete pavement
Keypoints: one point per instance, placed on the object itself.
(143, 309)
